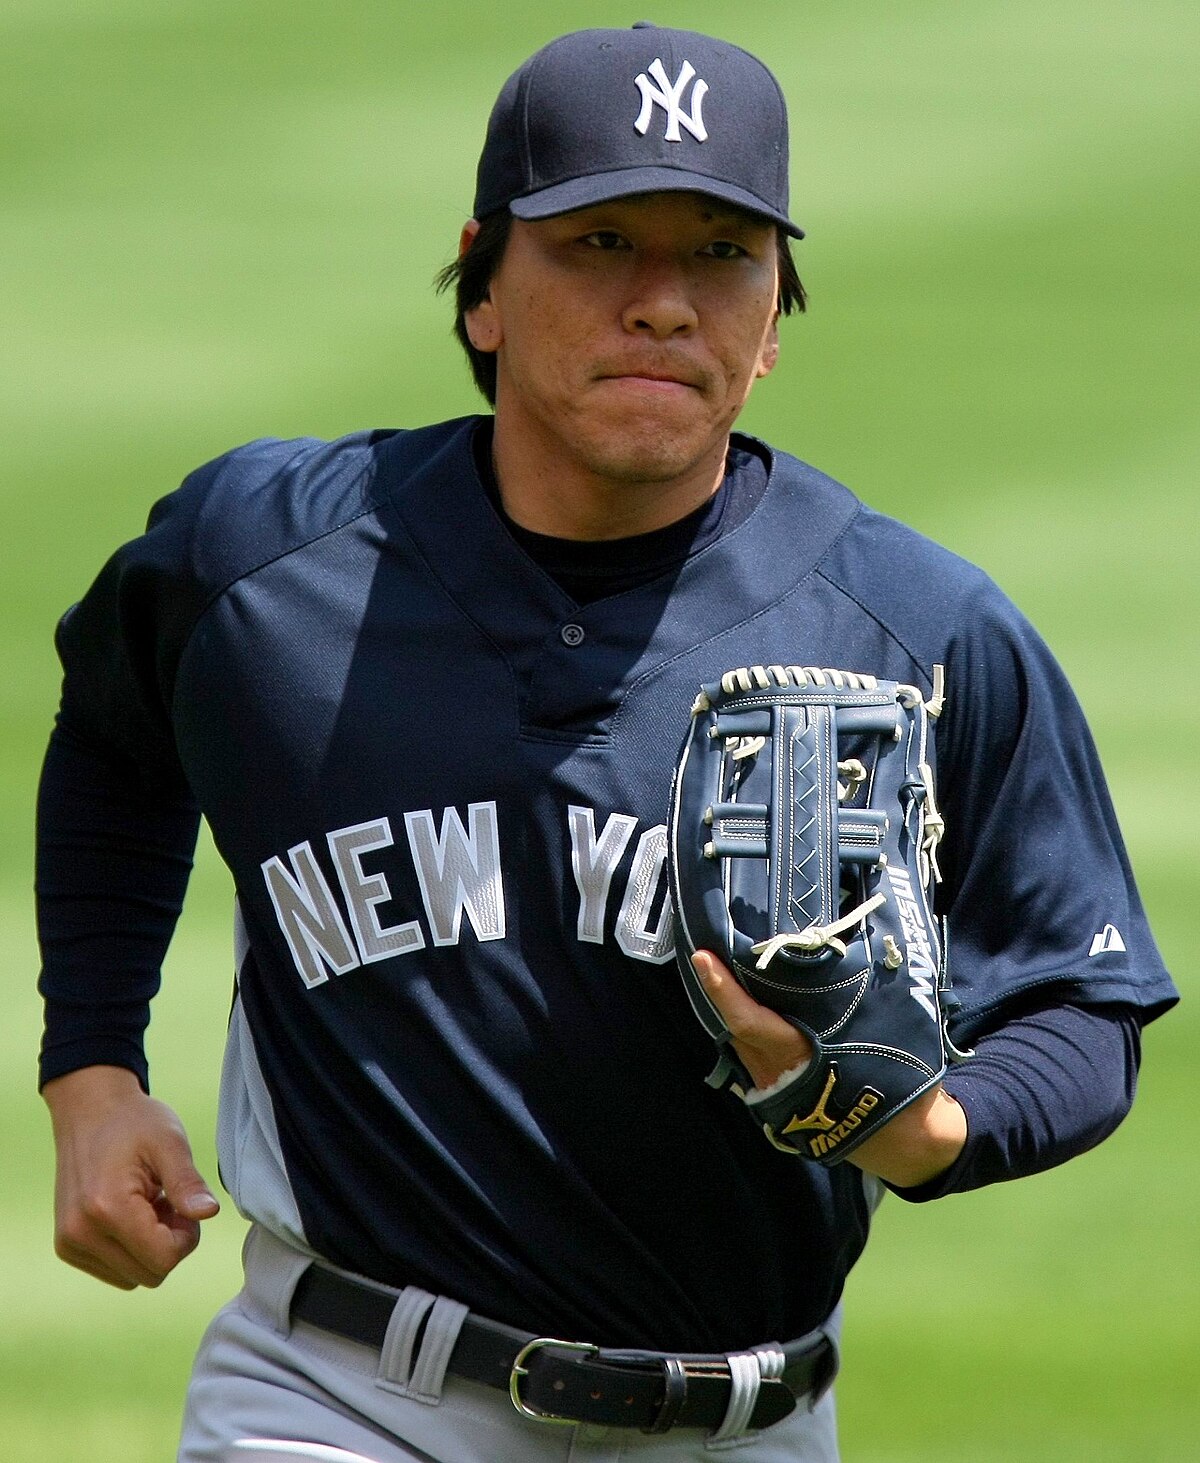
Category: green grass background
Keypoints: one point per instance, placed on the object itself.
(220, 220)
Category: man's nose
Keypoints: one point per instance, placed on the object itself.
(660, 305)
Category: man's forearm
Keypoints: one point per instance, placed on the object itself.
(113, 864)
(922, 1141)
(1044, 1088)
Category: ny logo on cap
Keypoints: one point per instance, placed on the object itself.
(661, 92)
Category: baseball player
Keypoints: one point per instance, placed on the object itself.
(427, 686)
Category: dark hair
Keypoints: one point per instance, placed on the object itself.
(472, 273)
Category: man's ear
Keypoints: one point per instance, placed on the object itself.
(469, 231)
(770, 350)
(482, 322)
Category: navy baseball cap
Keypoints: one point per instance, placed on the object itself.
(604, 114)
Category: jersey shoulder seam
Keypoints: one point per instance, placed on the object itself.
(888, 629)
(369, 504)
(837, 583)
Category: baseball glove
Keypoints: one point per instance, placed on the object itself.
(803, 853)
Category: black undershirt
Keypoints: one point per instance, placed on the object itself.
(592, 569)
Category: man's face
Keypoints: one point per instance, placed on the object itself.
(628, 335)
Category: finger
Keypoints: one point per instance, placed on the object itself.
(147, 1255)
(154, 1245)
(183, 1232)
(767, 1044)
(103, 1256)
(182, 1185)
(746, 1019)
(136, 1236)
(99, 1272)
(162, 1224)
(156, 1237)
(127, 1240)
(194, 1203)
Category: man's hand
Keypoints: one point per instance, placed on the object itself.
(767, 1043)
(128, 1200)
(919, 1143)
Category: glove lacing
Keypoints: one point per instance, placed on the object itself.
(816, 937)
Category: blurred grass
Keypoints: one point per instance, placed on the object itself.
(220, 220)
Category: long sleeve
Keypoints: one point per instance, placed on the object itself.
(114, 855)
(116, 819)
(1045, 1087)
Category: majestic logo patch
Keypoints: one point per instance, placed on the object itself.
(669, 96)
(1107, 941)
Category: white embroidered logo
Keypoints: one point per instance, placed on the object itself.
(669, 97)
(1107, 941)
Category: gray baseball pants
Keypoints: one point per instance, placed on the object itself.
(258, 1376)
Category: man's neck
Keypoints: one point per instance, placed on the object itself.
(565, 500)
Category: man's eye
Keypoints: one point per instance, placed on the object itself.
(606, 239)
(725, 249)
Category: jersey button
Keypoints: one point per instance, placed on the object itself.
(572, 635)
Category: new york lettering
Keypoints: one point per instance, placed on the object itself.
(332, 929)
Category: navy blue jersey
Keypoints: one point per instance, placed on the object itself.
(460, 1055)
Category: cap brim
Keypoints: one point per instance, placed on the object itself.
(630, 183)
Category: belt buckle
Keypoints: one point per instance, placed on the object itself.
(519, 1370)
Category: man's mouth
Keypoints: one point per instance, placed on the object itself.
(654, 376)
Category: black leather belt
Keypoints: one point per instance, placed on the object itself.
(561, 1381)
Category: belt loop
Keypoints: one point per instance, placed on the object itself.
(396, 1354)
(771, 1362)
(272, 1270)
(745, 1378)
(747, 1372)
(674, 1395)
(831, 1329)
(441, 1335)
